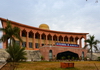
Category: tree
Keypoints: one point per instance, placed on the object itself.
(92, 43)
(10, 33)
(16, 54)
(15, 51)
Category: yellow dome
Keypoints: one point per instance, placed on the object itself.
(44, 26)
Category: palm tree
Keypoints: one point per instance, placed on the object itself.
(15, 51)
(92, 43)
(16, 54)
(10, 33)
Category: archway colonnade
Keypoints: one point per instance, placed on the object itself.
(34, 40)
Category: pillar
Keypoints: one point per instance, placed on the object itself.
(40, 40)
(20, 37)
(73, 40)
(27, 42)
(80, 43)
(52, 40)
(34, 41)
(63, 40)
(46, 40)
(69, 40)
(58, 39)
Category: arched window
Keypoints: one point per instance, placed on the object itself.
(55, 38)
(66, 39)
(37, 36)
(50, 54)
(82, 55)
(71, 39)
(30, 35)
(24, 33)
(44, 36)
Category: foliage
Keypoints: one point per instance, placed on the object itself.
(73, 58)
(15, 51)
(92, 43)
(99, 58)
(63, 57)
(42, 57)
(68, 57)
(16, 54)
(10, 33)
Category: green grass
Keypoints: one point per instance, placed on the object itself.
(44, 65)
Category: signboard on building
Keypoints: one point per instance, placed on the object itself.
(67, 45)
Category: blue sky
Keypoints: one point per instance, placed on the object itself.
(60, 15)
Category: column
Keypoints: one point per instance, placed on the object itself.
(73, 40)
(80, 44)
(40, 40)
(63, 40)
(21, 38)
(34, 41)
(27, 43)
(52, 40)
(69, 40)
(58, 39)
(46, 40)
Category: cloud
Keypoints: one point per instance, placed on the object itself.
(60, 15)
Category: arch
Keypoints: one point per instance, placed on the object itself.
(60, 38)
(37, 35)
(55, 38)
(71, 39)
(24, 33)
(67, 55)
(77, 40)
(43, 36)
(49, 37)
(66, 39)
(50, 54)
(31, 34)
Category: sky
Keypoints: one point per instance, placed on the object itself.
(60, 15)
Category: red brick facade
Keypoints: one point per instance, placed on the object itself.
(38, 38)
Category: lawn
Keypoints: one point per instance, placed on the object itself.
(46, 65)
(79, 65)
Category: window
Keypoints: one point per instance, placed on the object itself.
(24, 44)
(30, 35)
(30, 44)
(66, 40)
(23, 34)
(36, 45)
(37, 37)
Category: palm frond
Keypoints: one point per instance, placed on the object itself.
(16, 53)
(85, 46)
(95, 47)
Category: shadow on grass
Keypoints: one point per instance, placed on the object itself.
(61, 69)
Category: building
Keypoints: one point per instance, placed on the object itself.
(51, 44)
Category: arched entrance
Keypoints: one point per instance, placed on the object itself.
(67, 55)
(50, 54)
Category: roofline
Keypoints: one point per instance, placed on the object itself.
(16, 23)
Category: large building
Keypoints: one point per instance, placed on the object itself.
(51, 44)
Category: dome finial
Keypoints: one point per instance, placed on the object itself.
(44, 26)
